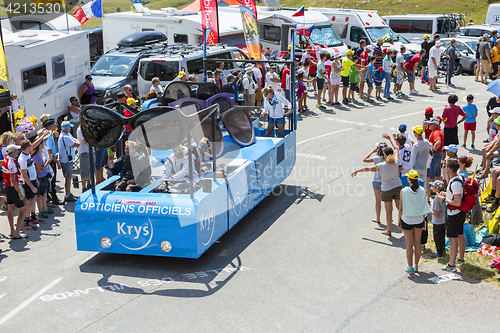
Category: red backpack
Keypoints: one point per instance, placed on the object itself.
(469, 196)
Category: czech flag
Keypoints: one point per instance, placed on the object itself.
(304, 29)
(299, 12)
(93, 8)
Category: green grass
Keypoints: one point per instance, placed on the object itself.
(476, 265)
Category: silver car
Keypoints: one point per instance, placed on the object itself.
(467, 48)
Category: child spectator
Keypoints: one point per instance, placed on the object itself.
(353, 79)
(438, 211)
(301, 89)
(402, 130)
(379, 77)
(470, 123)
(464, 162)
(335, 79)
(388, 68)
(450, 116)
(370, 78)
(429, 114)
(328, 69)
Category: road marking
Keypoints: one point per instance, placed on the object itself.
(447, 277)
(318, 157)
(24, 304)
(3, 295)
(402, 115)
(323, 135)
(2, 278)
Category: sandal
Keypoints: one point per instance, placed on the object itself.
(22, 236)
(375, 220)
(387, 233)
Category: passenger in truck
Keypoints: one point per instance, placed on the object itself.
(133, 168)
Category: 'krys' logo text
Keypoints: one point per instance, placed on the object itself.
(133, 235)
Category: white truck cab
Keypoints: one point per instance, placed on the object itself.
(415, 26)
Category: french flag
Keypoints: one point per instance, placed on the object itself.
(304, 29)
(299, 12)
(93, 8)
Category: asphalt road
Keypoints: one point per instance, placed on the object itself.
(308, 259)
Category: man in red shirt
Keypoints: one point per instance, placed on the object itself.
(436, 139)
(363, 61)
(411, 68)
(13, 191)
(285, 81)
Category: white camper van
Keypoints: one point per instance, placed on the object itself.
(493, 15)
(415, 26)
(46, 68)
(57, 22)
(179, 26)
(352, 25)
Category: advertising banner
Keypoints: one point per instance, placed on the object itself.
(209, 20)
(4, 78)
(250, 4)
(251, 32)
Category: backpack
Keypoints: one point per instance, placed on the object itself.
(239, 85)
(493, 240)
(409, 56)
(469, 234)
(470, 194)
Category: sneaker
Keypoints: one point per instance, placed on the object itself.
(492, 208)
(436, 255)
(51, 205)
(369, 100)
(345, 101)
(43, 215)
(409, 270)
(321, 106)
(464, 145)
(459, 262)
(379, 98)
(490, 199)
(449, 268)
(48, 211)
(472, 146)
(29, 226)
(36, 220)
(415, 268)
(70, 198)
(390, 98)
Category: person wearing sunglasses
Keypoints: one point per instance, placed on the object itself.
(67, 144)
(176, 168)
(202, 157)
(133, 168)
(87, 92)
(273, 106)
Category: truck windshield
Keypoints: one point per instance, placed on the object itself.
(321, 35)
(112, 65)
(381, 32)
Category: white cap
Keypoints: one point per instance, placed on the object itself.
(438, 43)
(369, 47)
(337, 55)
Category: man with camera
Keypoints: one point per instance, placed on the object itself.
(67, 144)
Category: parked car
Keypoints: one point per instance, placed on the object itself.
(477, 30)
(467, 48)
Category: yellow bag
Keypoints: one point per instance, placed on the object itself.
(493, 226)
(485, 193)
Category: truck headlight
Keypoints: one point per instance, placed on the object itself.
(105, 242)
(166, 246)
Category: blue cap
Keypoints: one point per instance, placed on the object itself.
(452, 148)
(402, 127)
(66, 123)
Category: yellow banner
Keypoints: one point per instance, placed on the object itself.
(4, 73)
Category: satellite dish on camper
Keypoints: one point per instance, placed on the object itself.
(142, 38)
(272, 4)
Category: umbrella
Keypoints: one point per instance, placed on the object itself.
(494, 87)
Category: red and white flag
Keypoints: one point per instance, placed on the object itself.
(300, 12)
(88, 10)
(209, 18)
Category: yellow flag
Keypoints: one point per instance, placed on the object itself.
(4, 73)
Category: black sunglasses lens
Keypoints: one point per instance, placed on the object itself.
(177, 91)
(239, 126)
(102, 127)
(159, 129)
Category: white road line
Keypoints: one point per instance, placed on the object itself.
(323, 135)
(24, 304)
(318, 157)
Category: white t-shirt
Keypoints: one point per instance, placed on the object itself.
(454, 187)
(64, 144)
(157, 90)
(399, 62)
(436, 54)
(305, 56)
(249, 84)
(257, 75)
(408, 138)
(26, 163)
(404, 159)
(275, 85)
(84, 147)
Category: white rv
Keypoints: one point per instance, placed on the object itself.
(352, 25)
(59, 22)
(46, 68)
(493, 15)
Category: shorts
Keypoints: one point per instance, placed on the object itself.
(353, 86)
(378, 83)
(370, 84)
(409, 74)
(406, 226)
(470, 127)
(432, 72)
(44, 185)
(249, 102)
(345, 81)
(258, 95)
(450, 136)
(455, 225)
(28, 193)
(424, 61)
(335, 82)
(67, 169)
(435, 168)
(311, 73)
(13, 197)
(85, 164)
(362, 77)
(321, 83)
(377, 185)
(393, 194)
(276, 121)
(101, 157)
(485, 66)
(400, 78)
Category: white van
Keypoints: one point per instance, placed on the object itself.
(493, 15)
(415, 26)
(173, 59)
(352, 25)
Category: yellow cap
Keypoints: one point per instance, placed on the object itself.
(131, 101)
(181, 74)
(418, 129)
(289, 47)
(426, 36)
(350, 52)
(413, 174)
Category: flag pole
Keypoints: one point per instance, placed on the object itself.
(66, 9)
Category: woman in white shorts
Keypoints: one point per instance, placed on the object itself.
(335, 79)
